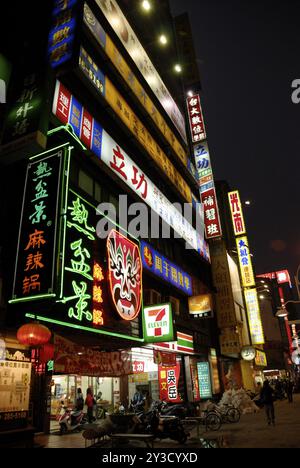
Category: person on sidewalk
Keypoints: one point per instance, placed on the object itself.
(90, 401)
(267, 398)
(289, 390)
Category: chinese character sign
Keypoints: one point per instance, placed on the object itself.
(246, 268)
(211, 214)
(158, 323)
(203, 166)
(237, 213)
(34, 274)
(168, 383)
(196, 120)
(62, 33)
(221, 276)
(161, 266)
(204, 380)
(26, 122)
(102, 278)
(254, 317)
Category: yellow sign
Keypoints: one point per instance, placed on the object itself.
(261, 359)
(237, 213)
(133, 123)
(246, 268)
(134, 84)
(200, 304)
(254, 318)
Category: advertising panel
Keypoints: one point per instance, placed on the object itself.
(196, 120)
(261, 359)
(254, 318)
(26, 120)
(164, 269)
(245, 261)
(237, 213)
(71, 358)
(62, 32)
(130, 41)
(229, 341)
(158, 323)
(35, 264)
(224, 298)
(15, 378)
(202, 306)
(211, 214)
(208, 194)
(101, 278)
(204, 380)
(168, 384)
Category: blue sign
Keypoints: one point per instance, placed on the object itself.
(204, 380)
(62, 33)
(168, 271)
(76, 116)
(97, 139)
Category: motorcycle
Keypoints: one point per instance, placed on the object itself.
(163, 426)
(179, 410)
(70, 421)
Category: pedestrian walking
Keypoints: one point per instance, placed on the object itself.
(289, 390)
(90, 401)
(267, 398)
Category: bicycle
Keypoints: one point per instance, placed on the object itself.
(227, 413)
(210, 419)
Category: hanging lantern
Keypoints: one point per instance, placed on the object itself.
(33, 334)
(46, 353)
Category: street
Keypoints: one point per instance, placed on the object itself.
(251, 432)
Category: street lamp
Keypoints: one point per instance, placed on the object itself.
(282, 312)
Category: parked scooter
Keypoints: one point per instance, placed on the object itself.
(165, 427)
(179, 410)
(70, 421)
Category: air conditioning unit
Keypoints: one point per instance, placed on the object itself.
(175, 304)
(152, 297)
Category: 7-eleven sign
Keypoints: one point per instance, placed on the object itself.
(158, 323)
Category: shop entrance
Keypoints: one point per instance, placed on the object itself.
(106, 391)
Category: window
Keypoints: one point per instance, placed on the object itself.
(98, 193)
(86, 183)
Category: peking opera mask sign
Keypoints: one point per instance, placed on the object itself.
(101, 286)
(125, 275)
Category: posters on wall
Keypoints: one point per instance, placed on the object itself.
(15, 379)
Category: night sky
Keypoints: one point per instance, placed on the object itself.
(248, 54)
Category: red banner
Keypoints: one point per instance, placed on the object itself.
(168, 383)
(196, 120)
(70, 358)
(211, 214)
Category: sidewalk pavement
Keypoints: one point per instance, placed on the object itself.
(251, 432)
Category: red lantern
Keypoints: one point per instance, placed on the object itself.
(46, 353)
(33, 334)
